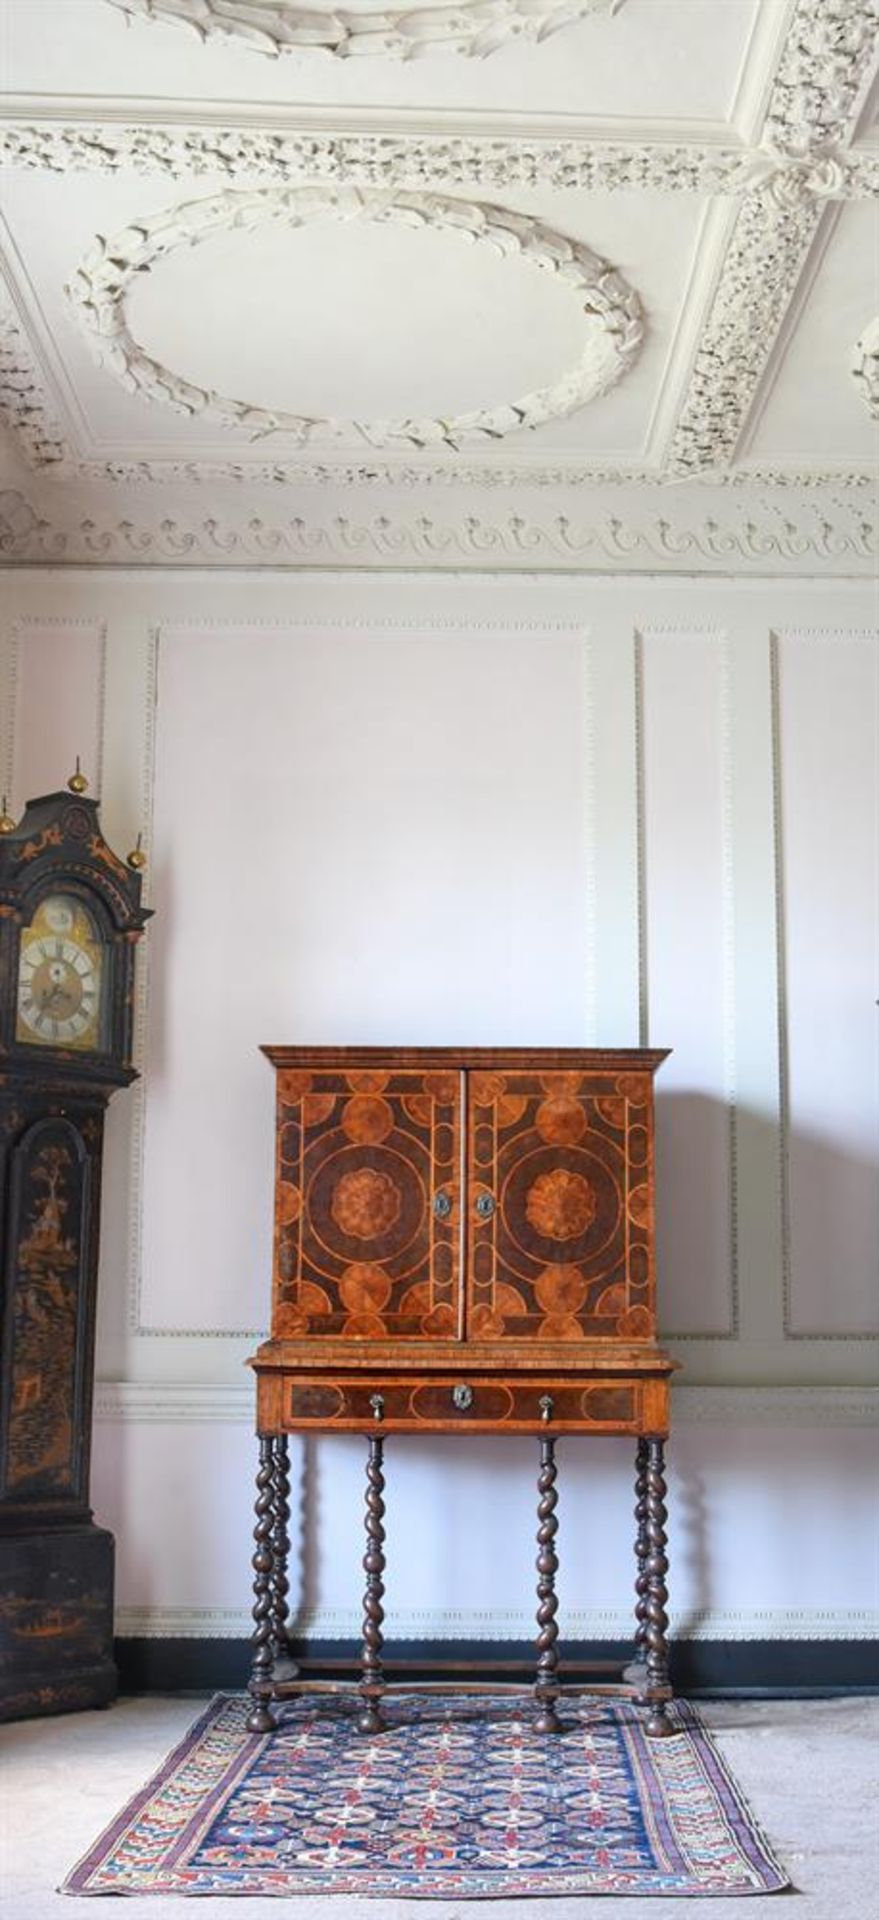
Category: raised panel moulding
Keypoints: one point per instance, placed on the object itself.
(826, 700)
(474, 27)
(99, 287)
(50, 734)
(685, 902)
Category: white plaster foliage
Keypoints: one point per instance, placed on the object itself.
(275, 27)
(865, 367)
(24, 402)
(99, 287)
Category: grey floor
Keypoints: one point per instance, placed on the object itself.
(809, 1769)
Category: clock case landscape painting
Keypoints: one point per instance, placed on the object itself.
(70, 916)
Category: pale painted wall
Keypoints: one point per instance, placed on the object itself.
(487, 809)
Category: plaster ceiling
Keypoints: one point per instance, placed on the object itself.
(504, 283)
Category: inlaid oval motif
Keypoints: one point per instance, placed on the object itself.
(639, 1205)
(292, 1084)
(561, 1204)
(312, 1402)
(560, 1120)
(560, 1289)
(364, 1288)
(367, 1119)
(366, 1203)
(486, 1088)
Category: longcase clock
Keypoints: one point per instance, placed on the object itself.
(70, 917)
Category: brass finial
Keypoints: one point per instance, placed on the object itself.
(136, 858)
(7, 824)
(78, 782)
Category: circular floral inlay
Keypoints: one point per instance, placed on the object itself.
(561, 1204)
(366, 1204)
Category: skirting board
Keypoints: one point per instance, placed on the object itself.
(783, 1668)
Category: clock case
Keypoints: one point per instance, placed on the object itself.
(56, 1565)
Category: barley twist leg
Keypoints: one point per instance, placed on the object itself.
(372, 1684)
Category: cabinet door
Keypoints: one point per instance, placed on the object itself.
(367, 1221)
(559, 1206)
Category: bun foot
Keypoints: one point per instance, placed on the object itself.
(371, 1720)
(547, 1721)
(658, 1725)
(260, 1718)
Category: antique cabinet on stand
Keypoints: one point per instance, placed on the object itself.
(464, 1242)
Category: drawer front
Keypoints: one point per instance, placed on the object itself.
(458, 1405)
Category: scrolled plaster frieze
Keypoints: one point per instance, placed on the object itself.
(835, 539)
(865, 367)
(99, 287)
(275, 27)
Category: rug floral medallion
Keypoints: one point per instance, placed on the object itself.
(460, 1798)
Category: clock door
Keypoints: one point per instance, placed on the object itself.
(559, 1206)
(367, 1222)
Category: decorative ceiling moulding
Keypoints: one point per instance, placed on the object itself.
(765, 257)
(25, 406)
(839, 542)
(865, 367)
(275, 27)
(615, 329)
(286, 473)
(427, 160)
(824, 73)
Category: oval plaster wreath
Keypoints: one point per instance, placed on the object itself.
(474, 27)
(99, 287)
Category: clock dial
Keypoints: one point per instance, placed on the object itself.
(60, 976)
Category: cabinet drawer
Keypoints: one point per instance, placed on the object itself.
(456, 1404)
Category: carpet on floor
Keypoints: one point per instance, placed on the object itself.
(459, 1799)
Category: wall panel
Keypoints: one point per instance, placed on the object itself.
(686, 978)
(828, 852)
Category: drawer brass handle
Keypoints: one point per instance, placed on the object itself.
(376, 1401)
(545, 1404)
(442, 1206)
(485, 1205)
(462, 1398)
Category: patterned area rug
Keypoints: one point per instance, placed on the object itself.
(459, 1799)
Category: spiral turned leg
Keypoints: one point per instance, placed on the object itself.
(656, 1690)
(260, 1718)
(372, 1683)
(280, 1585)
(635, 1673)
(546, 1688)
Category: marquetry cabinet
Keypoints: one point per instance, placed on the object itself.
(463, 1243)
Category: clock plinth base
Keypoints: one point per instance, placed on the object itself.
(56, 1652)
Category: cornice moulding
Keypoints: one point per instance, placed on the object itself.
(519, 474)
(99, 287)
(840, 540)
(469, 28)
